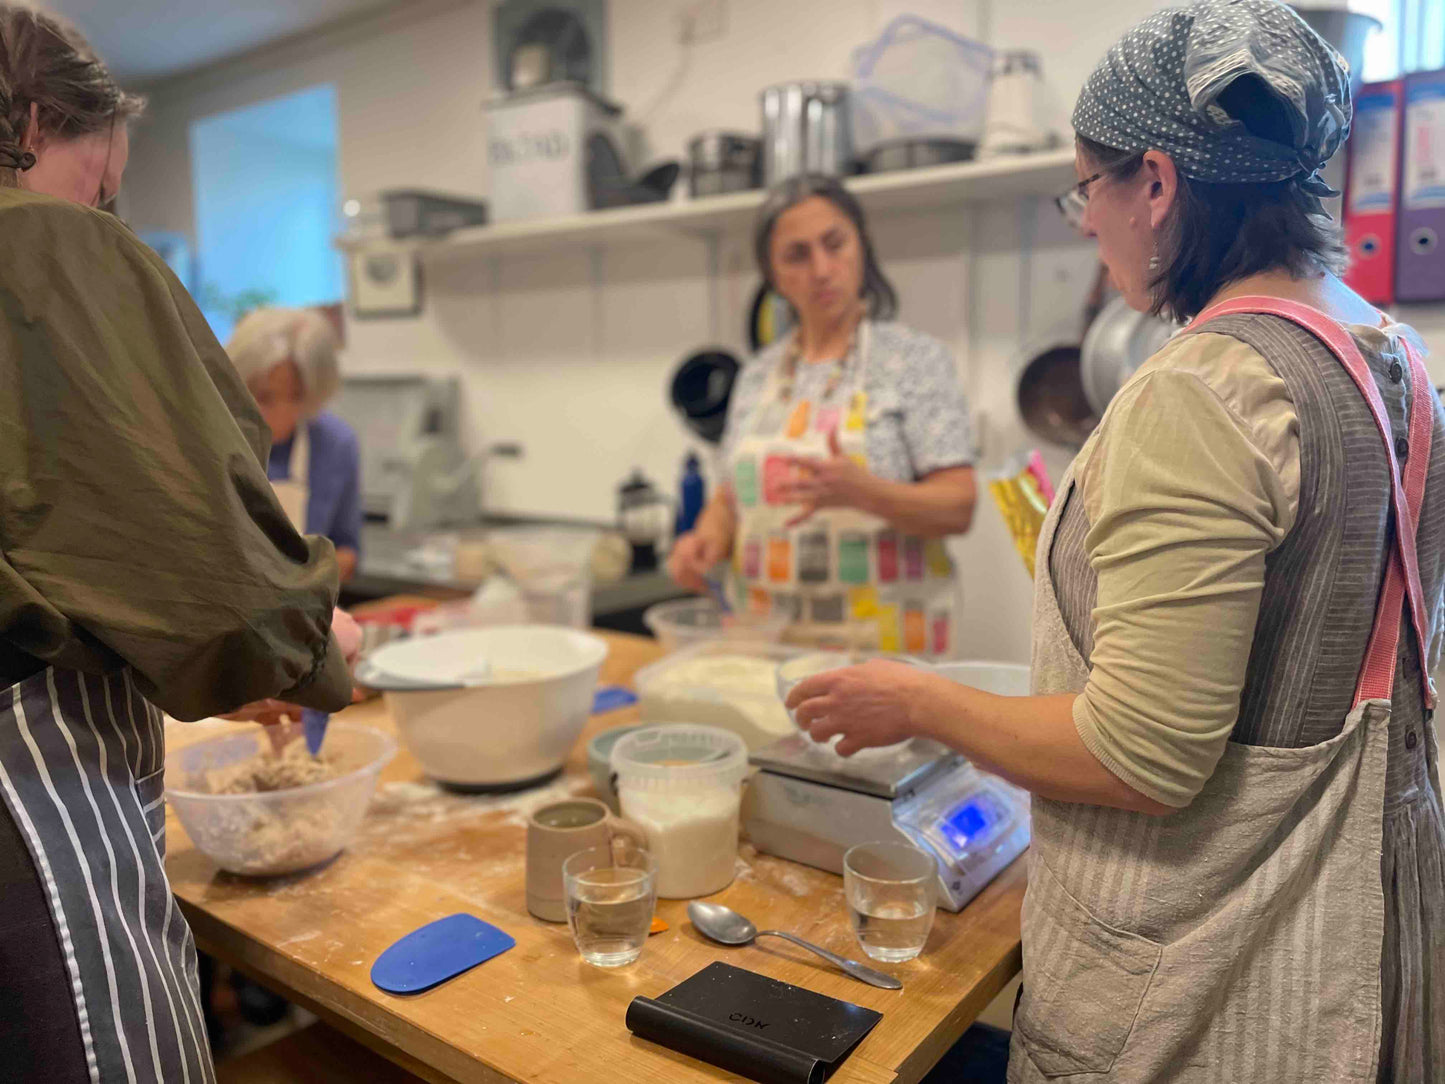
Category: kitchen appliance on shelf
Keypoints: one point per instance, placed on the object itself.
(550, 149)
(412, 212)
(721, 162)
(415, 474)
(810, 805)
(644, 515)
(401, 213)
(1016, 122)
(807, 128)
(550, 41)
(608, 184)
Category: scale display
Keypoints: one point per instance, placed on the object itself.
(973, 822)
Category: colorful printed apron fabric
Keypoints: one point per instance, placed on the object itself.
(844, 578)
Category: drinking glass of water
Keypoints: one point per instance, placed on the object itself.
(890, 891)
(610, 892)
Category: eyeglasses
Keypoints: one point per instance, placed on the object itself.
(1073, 203)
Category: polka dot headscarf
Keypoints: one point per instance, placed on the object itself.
(1156, 89)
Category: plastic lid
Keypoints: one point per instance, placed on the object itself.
(680, 755)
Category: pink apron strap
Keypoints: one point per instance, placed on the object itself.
(1407, 486)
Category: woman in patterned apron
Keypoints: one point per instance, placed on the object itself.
(847, 449)
(1238, 870)
(145, 565)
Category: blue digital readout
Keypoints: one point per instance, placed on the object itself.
(966, 824)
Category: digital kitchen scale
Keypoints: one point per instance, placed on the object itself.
(810, 805)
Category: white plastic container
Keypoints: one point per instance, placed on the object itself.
(683, 622)
(683, 785)
(728, 684)
(505, 725)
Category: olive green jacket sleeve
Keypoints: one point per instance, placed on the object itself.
(137, 526)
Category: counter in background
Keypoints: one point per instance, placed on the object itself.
(390, 566)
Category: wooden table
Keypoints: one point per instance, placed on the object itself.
(538, 1014)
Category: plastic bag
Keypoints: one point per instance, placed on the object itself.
(919, 80)
(1023, 494)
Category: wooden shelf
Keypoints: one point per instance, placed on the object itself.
(904, 190)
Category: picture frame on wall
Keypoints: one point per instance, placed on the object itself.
(384, 283)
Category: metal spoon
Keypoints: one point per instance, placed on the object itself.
(727, 927)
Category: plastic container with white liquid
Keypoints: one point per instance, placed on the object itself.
(683, 785)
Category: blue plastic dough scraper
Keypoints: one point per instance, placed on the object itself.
(313, 724)
(436, 952)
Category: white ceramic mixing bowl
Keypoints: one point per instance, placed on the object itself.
(490, 709)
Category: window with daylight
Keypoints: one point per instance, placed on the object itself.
(1412, 37)
(267, 209)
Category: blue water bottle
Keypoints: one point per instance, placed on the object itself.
(693, 493)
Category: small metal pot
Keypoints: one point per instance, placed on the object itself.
(1118, 341)
(720, 161)
(1051, 399)
(807, 128)
(914, 153)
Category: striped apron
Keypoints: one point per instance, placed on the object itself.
(81, 767)
(1286, 925)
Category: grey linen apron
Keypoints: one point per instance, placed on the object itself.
(1242, 938)
(81, 774)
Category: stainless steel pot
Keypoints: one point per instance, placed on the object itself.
(1050, 396)
(1118, 341)
(914, 153)
(807, 128)
(721, 162)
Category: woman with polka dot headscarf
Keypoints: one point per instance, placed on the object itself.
(1238, 864)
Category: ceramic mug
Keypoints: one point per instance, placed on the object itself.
(555, 833)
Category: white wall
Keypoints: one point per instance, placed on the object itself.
(570, 354)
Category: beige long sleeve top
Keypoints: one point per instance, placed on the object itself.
(1189, 482)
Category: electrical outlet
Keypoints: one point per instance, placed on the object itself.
(702, 20)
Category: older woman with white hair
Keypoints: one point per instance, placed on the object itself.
(287, 357)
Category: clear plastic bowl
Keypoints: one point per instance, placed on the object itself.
(281, 831)
(687, 621)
